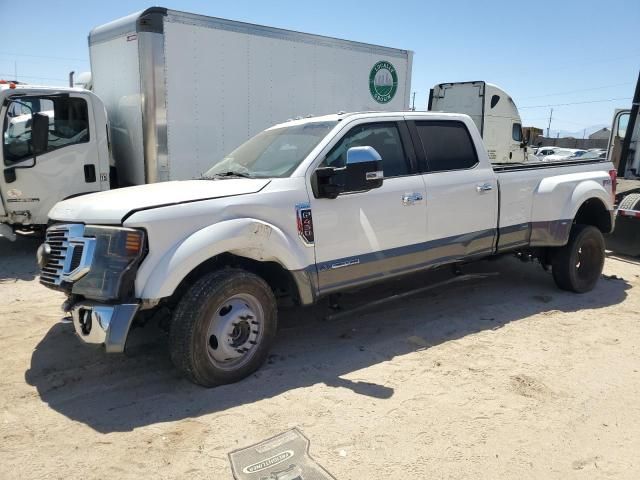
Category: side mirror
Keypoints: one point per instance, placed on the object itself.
(39, 133)
(363, 171)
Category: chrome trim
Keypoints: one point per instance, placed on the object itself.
(485, 187)
(154, 106)
(409, 199)
(104, 324)
(62, 241)
(379, 175)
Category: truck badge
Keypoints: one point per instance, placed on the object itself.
(305, 223)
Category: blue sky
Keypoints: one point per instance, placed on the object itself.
(542, 53)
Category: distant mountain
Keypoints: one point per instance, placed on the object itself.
(578, 133)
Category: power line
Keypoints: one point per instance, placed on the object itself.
(576, 103)
(577, 91)
(42, 56)
(10, 75)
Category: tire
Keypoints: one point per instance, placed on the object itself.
(630, 202)
(577, 266)
(223, 327)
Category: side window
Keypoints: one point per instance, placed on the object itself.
(68, 124)
(447, 145)
(516, 132)
(384, 137)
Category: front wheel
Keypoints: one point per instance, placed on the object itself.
(578, 265)
(223, 327)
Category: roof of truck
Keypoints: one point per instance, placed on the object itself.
(336, 117)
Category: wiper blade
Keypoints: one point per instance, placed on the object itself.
(229, 174)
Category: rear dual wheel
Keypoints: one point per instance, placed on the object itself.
(223, 327)
(578, 265)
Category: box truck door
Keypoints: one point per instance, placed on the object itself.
(48, 154)
(467, 98)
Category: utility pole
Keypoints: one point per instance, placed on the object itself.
(413, 103)
(549, 127)
(584, 133)
(15, 70)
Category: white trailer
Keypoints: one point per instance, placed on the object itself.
(189, 88)
(180, 91)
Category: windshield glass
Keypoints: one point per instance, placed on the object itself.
(272, 153)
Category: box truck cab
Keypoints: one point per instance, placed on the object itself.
(54, 146)
(492, 110)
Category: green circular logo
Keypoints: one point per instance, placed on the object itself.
(383, 82)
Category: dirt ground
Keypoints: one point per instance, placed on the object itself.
(502, 378)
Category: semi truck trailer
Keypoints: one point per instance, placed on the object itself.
(171, 92)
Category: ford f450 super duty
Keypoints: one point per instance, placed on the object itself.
(305, 209)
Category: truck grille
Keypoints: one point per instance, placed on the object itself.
(57, 239)
(69, 258)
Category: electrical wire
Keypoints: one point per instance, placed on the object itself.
(577, 103)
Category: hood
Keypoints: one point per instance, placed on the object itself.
(112, 206)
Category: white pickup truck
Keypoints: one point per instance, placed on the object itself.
(308, 208)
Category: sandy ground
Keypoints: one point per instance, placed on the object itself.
(500, 379)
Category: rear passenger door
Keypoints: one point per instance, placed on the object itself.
(462, 192)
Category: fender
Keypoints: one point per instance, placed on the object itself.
(557, 202)
(246, 237)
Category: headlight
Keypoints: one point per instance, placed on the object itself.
(117, 252)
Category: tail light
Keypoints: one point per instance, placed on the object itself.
(613, 174)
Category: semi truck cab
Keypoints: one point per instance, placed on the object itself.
(55, 146)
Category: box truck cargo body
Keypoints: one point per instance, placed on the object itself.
(183, 90)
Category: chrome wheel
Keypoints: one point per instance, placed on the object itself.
(235, 329)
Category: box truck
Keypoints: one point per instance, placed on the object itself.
(174, 92)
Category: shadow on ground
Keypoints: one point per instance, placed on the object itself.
(120, 393)
(18, 259)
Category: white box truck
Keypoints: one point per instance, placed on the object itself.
(172, 93)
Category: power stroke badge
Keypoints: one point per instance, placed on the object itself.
(383, 82)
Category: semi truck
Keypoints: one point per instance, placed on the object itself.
(306, 209)
(171, 91)
(492, 110)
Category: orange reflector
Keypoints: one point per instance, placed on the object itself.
(133, 242)
(3, 82)
(12, 85)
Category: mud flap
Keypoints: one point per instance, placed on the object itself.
(625, 239)
(283, 457)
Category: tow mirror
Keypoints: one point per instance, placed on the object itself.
(39, 133)
(363, 171)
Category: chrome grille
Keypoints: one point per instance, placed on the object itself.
(69, 258)
(58, 240)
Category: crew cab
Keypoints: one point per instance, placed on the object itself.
(308, 208)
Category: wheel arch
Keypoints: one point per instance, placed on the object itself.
(252, 244)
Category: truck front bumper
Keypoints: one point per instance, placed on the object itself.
(104, 324)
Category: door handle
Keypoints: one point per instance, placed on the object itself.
(411, 198)
(485, 187)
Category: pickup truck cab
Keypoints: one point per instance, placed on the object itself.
(305, 209)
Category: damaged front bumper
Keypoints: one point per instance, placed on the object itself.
(102, 324)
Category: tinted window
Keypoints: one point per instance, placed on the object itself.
(68, 124)
(447, 145)
(384, 137)
(516, 132)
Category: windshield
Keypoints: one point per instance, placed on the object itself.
(272, 153)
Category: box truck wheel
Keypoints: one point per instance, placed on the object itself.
(223, 327)
(578, 265)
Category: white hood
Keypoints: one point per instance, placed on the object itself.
(111, 206)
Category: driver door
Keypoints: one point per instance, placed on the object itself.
(367, 235)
